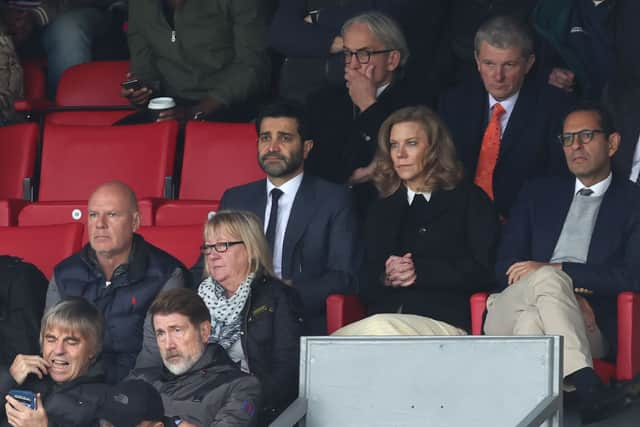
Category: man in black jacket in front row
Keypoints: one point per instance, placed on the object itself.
(199, 384)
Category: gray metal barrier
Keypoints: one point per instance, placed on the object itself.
(428, 381)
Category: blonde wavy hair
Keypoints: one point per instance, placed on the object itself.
(441, 167)
(245, 226)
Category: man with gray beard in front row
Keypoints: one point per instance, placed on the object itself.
(199, 384)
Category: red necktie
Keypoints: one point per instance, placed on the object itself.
(489, 152)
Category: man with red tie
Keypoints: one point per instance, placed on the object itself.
(505, 123)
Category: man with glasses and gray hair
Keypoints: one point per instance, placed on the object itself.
(504, 124)
(569, 248)
(345, 121)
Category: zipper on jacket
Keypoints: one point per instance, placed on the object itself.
(173, 36)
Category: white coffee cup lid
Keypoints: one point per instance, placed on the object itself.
(162, 103)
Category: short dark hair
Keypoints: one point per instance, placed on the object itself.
(604, 117)
(181, 301)
(285, 108)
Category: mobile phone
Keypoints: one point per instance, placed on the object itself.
(134, 84)
(26, 397)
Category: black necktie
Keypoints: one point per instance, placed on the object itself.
(273, 217)
(585, 192)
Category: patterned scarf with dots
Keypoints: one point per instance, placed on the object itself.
(225, 312)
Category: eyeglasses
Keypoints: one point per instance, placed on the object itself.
(363, 56)
(220, 247)
(584, 136)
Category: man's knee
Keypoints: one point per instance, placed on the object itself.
(549, 280)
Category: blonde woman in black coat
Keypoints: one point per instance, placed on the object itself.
(431, 237)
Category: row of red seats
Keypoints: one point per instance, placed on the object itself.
(345, 309)
(46, 245)
(76, 159)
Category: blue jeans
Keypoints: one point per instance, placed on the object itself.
(68, 40)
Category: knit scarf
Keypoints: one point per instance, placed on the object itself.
(225, 311)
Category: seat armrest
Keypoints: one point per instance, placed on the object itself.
(342, 310)
(628, 359)
(478, 306)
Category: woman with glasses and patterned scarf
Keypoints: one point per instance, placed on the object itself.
(254, 316)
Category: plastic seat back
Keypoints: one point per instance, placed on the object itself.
(87, 117)
(182, 241)
(18, 147)
(94, 83)
(44, 246)
(218, 156)
(76, 159)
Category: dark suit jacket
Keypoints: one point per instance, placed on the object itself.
(613, 259)
(344, 138)
(624, 103)
(529, 147)
(321, 253)
(457, 240)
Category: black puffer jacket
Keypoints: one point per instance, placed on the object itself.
(271, 330)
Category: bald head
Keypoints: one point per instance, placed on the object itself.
(112, 219)
(120, 190)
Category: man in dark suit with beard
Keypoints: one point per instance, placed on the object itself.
(309, 222)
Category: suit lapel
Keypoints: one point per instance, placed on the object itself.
(520, 116)
(478, 115)
(630, 131)
(439, 203)
(613, 203)
(302, 212)
(259, 194)
(554, 214)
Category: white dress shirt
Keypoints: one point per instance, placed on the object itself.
(411, 194)
(285, 202)
(598, 189)
(508, 105)
(635, 166)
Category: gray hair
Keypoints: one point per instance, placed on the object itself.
(504, 32)
(78, 315)
(384, 29)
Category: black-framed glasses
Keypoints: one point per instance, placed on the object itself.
(584, 136)
(363, 55)
(220, 247)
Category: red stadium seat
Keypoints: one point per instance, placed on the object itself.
(18, 147)
(216, 156)
(35, 97)
(76, 159)
(48, 213)
(181, 241)
(94, 84)
(627, 364)
(342, 310)
(86, 117)
(96, 87)
(43, 246)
